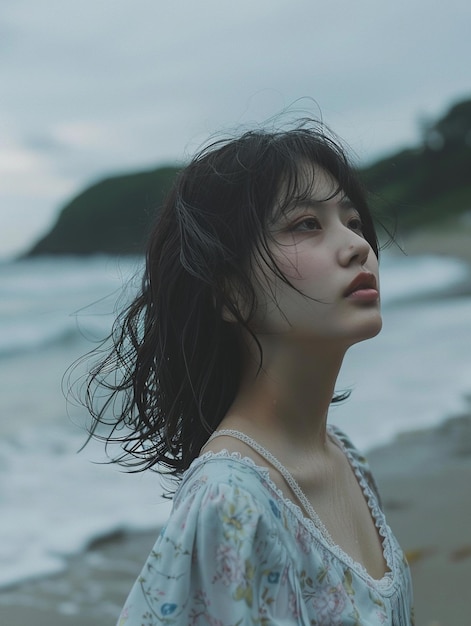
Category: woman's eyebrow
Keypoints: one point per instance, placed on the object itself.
(312, 203)
(346, 203)
(297, 206)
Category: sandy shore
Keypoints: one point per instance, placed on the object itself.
(90, 593)
(424, 478)
(425, 482)
(452, 239)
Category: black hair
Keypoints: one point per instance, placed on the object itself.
(175, 364)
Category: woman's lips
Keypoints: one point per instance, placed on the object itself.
(364, 294)
(363, 288)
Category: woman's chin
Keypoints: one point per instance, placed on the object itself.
(369, 331)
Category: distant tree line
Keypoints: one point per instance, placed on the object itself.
(423, 185)
(431, 182)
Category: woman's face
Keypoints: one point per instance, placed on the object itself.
(319, 247)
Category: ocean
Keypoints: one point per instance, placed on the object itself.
(56, 501)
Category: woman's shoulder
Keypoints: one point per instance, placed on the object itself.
(229, 471)
(224, 489)
(222, 553)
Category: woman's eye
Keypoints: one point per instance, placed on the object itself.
(307, 224)
(356, 224)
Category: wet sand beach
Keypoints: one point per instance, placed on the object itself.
(90, 592)
(425, 482)
(451, 239)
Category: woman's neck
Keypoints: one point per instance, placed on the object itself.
(285, 403)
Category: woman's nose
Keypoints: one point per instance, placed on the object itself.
(355, 249)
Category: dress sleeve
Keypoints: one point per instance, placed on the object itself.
(218, 562)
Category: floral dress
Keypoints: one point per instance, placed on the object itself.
(237, 552)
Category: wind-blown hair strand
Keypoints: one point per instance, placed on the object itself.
(175, 362)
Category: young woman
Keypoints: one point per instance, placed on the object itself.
(262, 270)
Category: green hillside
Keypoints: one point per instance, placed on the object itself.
(112, 216)
(419, 186)
(430, 183)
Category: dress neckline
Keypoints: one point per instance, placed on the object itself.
(289, 478)
(313, 522)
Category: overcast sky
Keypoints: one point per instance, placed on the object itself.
(97, 87)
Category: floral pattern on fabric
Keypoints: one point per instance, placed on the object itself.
(236, 552)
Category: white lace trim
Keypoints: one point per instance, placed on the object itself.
(268, 456)
(393, 557)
